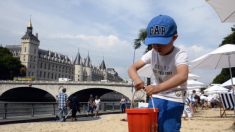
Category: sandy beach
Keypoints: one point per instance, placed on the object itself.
(203, 121)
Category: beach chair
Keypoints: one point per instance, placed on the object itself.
(227, 103)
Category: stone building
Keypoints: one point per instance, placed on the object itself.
(48, 65)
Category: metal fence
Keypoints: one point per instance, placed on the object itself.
(32, 109)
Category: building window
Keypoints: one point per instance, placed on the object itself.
(55, 76)
(24, 49)
(44, 75)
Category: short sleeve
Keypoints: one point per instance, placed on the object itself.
(182, 58)
(147, 57)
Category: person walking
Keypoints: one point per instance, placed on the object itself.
(75, 106)
(170, 68)
(91, 104)
(62, 105)
(97, 106)
(123, 104)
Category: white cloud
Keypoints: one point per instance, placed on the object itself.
(194, 50)
(107, 28)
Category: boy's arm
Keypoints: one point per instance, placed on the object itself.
(132, 72)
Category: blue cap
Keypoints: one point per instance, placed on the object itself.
(160, 30)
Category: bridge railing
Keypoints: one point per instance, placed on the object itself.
(15, 110)
(64, 83)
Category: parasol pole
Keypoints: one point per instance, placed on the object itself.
(230, 71)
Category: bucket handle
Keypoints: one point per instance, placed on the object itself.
(153, 104)
(132, 102)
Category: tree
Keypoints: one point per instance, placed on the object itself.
(140, 40)
(224, 74)
(9, 65)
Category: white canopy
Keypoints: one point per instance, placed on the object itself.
(228, 82)
(217, 58)
(224, 9)
(216, 89)
(193, 83)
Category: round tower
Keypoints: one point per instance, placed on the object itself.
(78, 68)
(88, 68)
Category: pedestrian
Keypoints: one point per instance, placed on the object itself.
(123, 104)
(97, 106)
(193, 99)
(170, 68)
(62, 105)
(75, 106)
(91, 104)
(187, 109)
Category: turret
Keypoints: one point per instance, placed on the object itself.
(29, 51)
(88, 67)
(78, 68)
(103, 69)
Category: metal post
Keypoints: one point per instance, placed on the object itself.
(104, 107)
(32, 110)
(231, 76)
(5, 111)
(53, 108)
(113, 106)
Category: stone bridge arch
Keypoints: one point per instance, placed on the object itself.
(27, 93)
(72, 87)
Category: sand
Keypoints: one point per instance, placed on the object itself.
(203, 121)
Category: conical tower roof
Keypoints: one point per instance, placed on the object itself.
(88, 61)
(78, 59)
(102, 65)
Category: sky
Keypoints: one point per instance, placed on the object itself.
(106, 29)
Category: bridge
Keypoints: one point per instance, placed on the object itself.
(39, 89)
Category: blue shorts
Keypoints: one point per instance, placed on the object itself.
(169, 116)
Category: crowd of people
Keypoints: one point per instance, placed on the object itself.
(199, 100)
(71, 105)
(93, 105)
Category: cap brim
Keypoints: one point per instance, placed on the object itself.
(158, 40)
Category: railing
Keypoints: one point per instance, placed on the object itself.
(66, 83)
(31, 109)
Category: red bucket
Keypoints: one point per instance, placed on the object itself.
(142, 119)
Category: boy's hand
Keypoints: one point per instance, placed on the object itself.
(138, 84)
(150, 89)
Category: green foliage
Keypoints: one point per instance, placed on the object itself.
(230, 39)
(140, 40)
(224, 74)
(9, 66)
